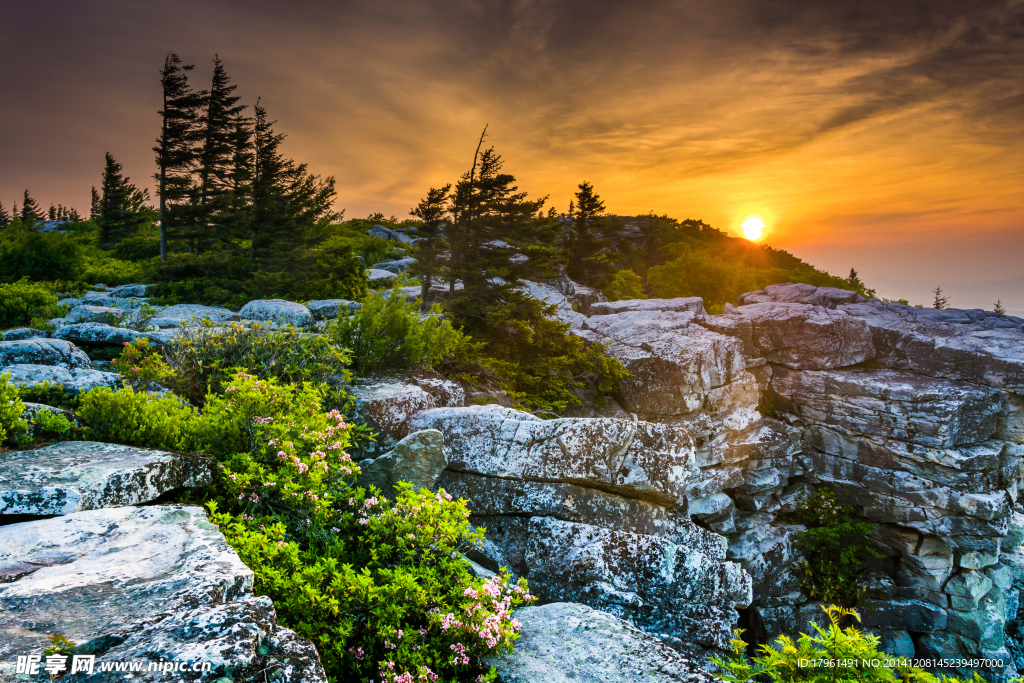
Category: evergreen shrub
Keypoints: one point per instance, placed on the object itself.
(136, 418)
(25, 303)
(11, 409)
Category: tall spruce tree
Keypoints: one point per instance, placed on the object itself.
(30, 211)
(502, 244)
(176, 148)
(220, 134)
(433, 210)
(287, 204)
(94, 205)
(123, 209)
(584, 243)
(5, 218)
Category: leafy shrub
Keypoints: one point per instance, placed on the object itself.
(140, 365)
(49, 423)
(11, 408)
(625, 285)
(25, 303)
(25, 253)
(388, 598)
(377, 585)
(836, 541)
(388, 333)
(48, 393)
(137, 418)
(805, 659)
(202, 356)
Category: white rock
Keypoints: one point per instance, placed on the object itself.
(55, 352)
(277, 311)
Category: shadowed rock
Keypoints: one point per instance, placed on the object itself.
(83, 475)
(54, 352)
(73, 381)
(418, 459)
(566, 642)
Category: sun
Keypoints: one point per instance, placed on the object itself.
(753, 227)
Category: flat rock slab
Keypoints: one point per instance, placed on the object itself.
(73, 381)
(54, 352)
(141, 584)
(95, 314)
(85, 475)
(327, 309)
(101, 334)
(180, 314)
(566, 642)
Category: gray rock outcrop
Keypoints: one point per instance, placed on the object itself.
(101, 334)
(147, 584)
(82, 475)
(386, 404)
(418, 459)
(95, 314)
(327, 309)
(277, 311)
(24, 333)
(181, 314)
(563, 642)
(52, 352)
(73, 381)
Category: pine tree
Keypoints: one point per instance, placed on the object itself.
(123, 209)
(287, 204)
(940, 301)
(432, 210)
(583, 243)
(176, 148)
(52, 213)
(94, 205)
(5, 218)
(998, 307)
(855, 280)
(213, 195)
(30, 211)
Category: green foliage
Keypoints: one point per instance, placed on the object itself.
(836, 542)
(806, 658)
(137, 418)
(140, 365)
(625, 285)
(202, 356)
(24, 303)
(52, 424)
(59, 645)
(25, 253)
(388, 333)
(48, 393)
(11, 409)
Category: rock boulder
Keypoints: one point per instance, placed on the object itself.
(52, 352)
(277, 311)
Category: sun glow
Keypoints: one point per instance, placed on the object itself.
(753, 227)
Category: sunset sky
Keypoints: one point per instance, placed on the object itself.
(879, 134)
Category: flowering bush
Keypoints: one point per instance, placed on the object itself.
(140, 365)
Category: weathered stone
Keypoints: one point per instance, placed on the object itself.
(135, 290)
(24, 333)
(910, 615)
(984, 625)
(894, 643)
(95, 314)
(54, 352)
(386, 406)
(390, 235)
(676, 365)
(801, 336)
(73, 381)
(967, 589)
(635, 459)
(100, 334)
(82, 475)
(151, 584)
(376, 276)
(181, 314)
(771, 557)
(327, 309)
(585, 297)
(418, 459)
(693, 304)
(877, 585)
(658, 585)
(973, 346)
(889, 404)
(571, 643)
(828, 297)
(277, 311)
(397, 266)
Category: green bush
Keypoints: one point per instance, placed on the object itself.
(49, 423)
(388, 333)
(25, 253)
(136, 418)
(11, 409)
(48, 393)
(625, 285)
(140, 366)
(377, 585)
(203, 356)
(25, 303)
(807, 658)
(836, 542)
